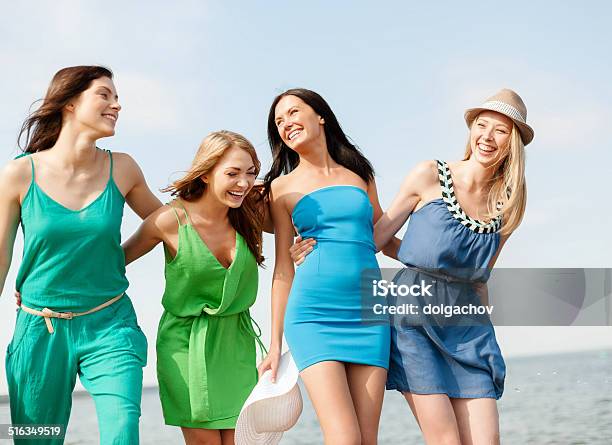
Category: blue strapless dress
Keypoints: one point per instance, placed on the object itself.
(326, 317)
(462, 361)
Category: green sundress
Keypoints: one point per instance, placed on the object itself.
(205, 342)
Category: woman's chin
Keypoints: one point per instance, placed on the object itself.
(105, 133)
(232, 203)
(486, 160)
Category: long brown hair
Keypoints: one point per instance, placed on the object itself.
(42, 127)
(508, 193)
(340, 148)
(246, 219)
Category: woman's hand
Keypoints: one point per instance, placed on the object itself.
(482, 291)
(270, 362)
(18, 298)
(300, 249)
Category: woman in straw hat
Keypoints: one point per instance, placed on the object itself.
(461, 214)
(323, 186)
(75, 318)
(212, 234)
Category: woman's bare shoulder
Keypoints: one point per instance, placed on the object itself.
(16, 175)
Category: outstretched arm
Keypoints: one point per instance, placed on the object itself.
(391, 247)
(404, 203)
(148, 235)
(132, 182)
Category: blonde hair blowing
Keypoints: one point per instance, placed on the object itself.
(246, 219)
(508, 193)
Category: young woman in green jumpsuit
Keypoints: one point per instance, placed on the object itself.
(68, 196)
(212, 239)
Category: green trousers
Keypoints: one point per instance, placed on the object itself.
(106, 349)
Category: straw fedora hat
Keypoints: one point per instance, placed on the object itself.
(271, 408)
(508, 103)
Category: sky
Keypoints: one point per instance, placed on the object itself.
(398, 75)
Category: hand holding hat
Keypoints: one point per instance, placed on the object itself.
(271, 408)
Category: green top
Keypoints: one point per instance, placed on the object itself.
(215, 301)
(72, 259)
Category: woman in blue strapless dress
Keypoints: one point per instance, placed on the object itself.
(451, 371)
(321, 186)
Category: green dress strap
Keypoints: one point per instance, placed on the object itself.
(178, 218)
(187, 218)
(32, 165)
(110, 155)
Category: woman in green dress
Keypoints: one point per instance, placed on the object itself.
(212, 234)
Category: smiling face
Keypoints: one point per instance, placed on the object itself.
(297, 123)
(489, 137)
(96, 109)
(232, 178)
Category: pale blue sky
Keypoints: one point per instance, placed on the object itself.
(398, 75)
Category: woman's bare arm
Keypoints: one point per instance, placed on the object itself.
(146, 237)
(13, 182)
(408, 197)
(282, 276)
(132, 182)
(392, 245)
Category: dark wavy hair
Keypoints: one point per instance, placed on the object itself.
(42, 127)
(344, 152)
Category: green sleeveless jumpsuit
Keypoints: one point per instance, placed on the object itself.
(205, 343)
(73, 262)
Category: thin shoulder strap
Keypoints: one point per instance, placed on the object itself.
(21, 155)
(178, 219)
(184, 211)
(110, 155)
(32, 164)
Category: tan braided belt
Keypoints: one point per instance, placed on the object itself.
(48, 313)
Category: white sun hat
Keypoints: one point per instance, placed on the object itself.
(271, 408)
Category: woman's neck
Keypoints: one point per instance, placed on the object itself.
(474, 176)
(74, 149)
(210, 209)
(317, 158)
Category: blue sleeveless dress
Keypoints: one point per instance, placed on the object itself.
(326, 317)
(445, 246)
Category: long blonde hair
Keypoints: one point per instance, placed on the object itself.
(246, 219)
(508, 193)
